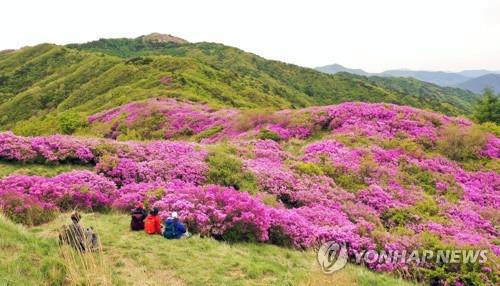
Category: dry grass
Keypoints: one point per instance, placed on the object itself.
(85, 267)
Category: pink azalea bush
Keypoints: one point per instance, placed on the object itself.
(373, 182)
(492, 148)
(26, 209)
(155, 161)
(336, 152)
(377, 198)
(216, 211)
(16, 148)
(66, 191)
(179, 117)
(146, 193)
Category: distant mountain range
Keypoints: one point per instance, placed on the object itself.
(478, 84)
(335, 68)
(473, 80)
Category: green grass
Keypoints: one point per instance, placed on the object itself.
(7, 168)
(139, 259)
(27, 259)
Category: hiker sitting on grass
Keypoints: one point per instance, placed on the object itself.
(174, 229)
(152, 224)
(138, 216)
(81, 239)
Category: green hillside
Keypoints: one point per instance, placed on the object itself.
(41, 84)
(324, 89)
(425, 93)
(32, 257)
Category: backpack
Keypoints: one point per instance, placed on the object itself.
(92, 240)
(137, 222)
(170, 229)
(149, 225)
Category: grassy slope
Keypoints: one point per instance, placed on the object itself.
(33, 169)
(26, 259)
(153, 260)
(40, 83)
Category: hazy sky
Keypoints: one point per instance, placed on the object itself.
(371, 34)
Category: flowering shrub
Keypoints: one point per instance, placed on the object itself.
(220, 212)
(491, 148)
(178, 117)
(335, 152)
(379, 178)
(126, 171)
(63, 148)
(26, 209)
(288, 228)
(377, 198)
(66, 191)
(17, 148)
(50, 149)
(146, 193)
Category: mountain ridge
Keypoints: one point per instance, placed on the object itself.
(478, 84)
(441, 78)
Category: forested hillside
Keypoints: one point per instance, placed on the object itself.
(44, 86)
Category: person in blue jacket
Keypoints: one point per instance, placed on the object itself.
(174, 229)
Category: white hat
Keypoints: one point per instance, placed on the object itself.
(174, 214)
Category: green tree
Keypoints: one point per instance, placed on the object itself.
(488, 107)
(68, 122)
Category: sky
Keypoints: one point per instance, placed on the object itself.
(375, 35)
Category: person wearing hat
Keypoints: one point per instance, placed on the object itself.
(80, 238)
(139, 214)
(174, 229)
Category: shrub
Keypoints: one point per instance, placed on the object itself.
(411, 174)
(278, 236)
(146, 193)
(216, 211)
(207, 133)
(427, 208)
(227, 170)
(69, 122)
(459, 143)
(491, 127)
(82, 189)
(268, 134)
(346, 179)
(145, 128)
(240, 231)
(249, 119)
(25, 209)
(308, 168)
(392, 218)
(139, 61)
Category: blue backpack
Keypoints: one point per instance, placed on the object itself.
(170, 231)
(173, 229)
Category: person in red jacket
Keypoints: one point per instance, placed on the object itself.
(152, 223)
